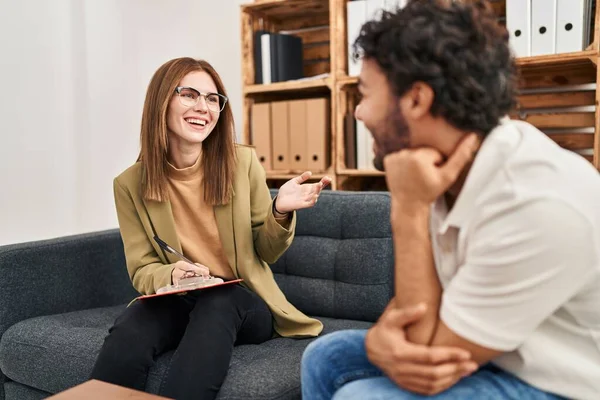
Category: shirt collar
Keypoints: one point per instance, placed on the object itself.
(496, 148)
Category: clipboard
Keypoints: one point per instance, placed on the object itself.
(184, 290)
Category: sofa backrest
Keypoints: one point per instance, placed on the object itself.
(340, 263)
(60, 275)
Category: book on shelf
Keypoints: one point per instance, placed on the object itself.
(278, 57)
(358, 144)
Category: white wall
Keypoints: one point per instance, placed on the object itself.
(73, 75)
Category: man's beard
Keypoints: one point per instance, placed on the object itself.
(394, 137)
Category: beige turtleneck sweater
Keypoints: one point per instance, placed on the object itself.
(195, 222)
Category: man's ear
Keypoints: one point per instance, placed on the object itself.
(416, 102)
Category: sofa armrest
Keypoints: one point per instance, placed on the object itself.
(60, 275)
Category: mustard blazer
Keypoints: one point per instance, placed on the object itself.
(250, 235)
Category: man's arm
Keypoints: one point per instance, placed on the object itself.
(415, 179)
(416, 279)
(418, 368)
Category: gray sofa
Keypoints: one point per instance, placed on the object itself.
(59, 297)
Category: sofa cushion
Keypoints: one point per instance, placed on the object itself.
(341, 262)
(14, 390)
(53, 353)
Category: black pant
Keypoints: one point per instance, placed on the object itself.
(202, 326)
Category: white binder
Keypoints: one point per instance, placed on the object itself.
(374, 9)
(393, 5)
(543, 27)
(356, 14)
(370, 154)
(570, 25)
(265, 52)
(362, 137)
(518, 23)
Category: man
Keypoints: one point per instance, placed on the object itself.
(496, 228)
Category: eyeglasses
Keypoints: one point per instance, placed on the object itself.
(189, 97)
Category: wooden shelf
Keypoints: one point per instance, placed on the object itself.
(289, 86)
(291, 14)
(359, 172)
(547, 82)
(282, 9)
(586, 57)
(347, 80)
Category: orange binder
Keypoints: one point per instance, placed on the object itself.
(298, 135)
(261, 133)
(317, 126)
(280, 135)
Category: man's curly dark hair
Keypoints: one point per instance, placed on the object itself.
(459, 50)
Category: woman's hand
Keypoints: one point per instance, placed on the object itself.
(293, 195)
(184, 270)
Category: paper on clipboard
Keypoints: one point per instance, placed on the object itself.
(185, 288)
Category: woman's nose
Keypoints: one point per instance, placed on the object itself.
(201, 104)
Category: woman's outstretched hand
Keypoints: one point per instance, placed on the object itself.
(295, 194)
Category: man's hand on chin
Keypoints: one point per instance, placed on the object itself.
(418, 368)
(417, 177)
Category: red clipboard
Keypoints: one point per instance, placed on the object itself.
(148, 296)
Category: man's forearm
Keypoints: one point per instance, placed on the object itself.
(416, 278)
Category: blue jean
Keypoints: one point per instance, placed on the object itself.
(336, 366)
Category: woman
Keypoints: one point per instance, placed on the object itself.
(206, 196)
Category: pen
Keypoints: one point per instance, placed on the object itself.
(163, 245)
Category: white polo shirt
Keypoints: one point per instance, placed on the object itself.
(518, 257)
